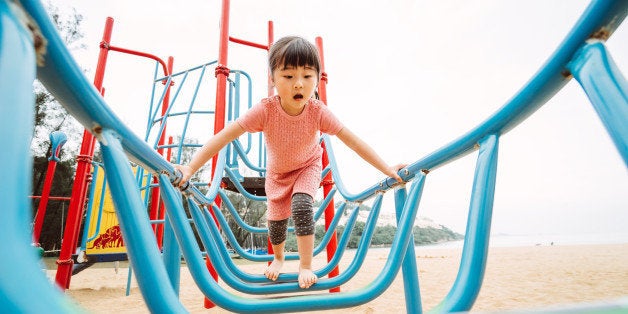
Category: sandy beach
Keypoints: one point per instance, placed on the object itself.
(516, 278)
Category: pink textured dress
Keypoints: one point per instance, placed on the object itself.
(293, 150)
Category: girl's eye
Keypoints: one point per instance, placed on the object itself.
(288, 76)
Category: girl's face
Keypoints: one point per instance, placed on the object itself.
(295, 86)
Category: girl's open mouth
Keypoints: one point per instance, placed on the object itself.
(298, 97)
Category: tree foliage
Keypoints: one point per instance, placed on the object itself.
(383, 236)
(51, 116)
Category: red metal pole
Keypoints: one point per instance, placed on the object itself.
(142, 54)
(154, 204)
(164, 108)
(82, 178)
(222, 72)
(162, 211)
(327, 182)
(271, 40)
(43, 202)
(247, 43)
(53, 198)
(271, 91)
(57, 140)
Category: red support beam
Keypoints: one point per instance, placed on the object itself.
(81, 180)
(247, 43)
(162, 211)
(53, 198)
(43, 202)
(327, 181)
(138, 53)
(271, 91)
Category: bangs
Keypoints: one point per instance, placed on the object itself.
(297, 54)
(293, 52)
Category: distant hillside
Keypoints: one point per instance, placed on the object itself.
(425, 232)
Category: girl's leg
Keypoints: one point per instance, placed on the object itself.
(277, 233)
(306, 247)
(303, 217)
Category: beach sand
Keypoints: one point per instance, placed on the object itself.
(516, 278)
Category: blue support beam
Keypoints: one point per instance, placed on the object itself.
(594, 68)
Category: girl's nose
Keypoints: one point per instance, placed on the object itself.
(298, 83)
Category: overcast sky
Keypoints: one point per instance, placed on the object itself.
(408, 77)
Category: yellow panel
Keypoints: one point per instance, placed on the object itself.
(109, 239)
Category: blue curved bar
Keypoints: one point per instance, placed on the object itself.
(237, 282)
(20, 282)
(234, 303)
(409, 267)
(607, 89)
(235, 180)
(237, 145)
(145, 257)
(473, 261)
(342, 244)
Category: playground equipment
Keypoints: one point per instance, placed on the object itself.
(102, 240)
(582, 54)
(57, 140)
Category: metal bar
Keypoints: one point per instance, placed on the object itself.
(327, 179)
(363, 246)
(138, 235)
(57, 139)
(81, 180)
(408, 268)
(473, 261)
(171, 255)
(606, 87)
(20, 270)
(287, 283)
(106, 45)
(248, 43)
(225, 300)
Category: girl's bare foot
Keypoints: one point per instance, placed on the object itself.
(272, 272)
(306, 278)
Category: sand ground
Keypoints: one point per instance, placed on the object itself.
(516, 278)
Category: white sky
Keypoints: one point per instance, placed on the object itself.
(408, 77)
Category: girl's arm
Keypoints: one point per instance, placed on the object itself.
(368, 154)
(209, 150)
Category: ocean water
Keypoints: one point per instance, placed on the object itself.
(518, 240)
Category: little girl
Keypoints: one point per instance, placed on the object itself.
(291, 121)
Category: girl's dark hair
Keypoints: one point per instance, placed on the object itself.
(293, 51)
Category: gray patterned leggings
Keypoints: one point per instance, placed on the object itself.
(303, 217)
